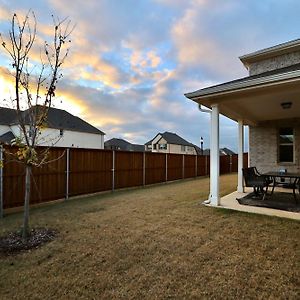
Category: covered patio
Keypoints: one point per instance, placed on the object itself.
(268, 101)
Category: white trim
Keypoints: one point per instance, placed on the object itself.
(215, 157)
(240, 187)
(280, 49)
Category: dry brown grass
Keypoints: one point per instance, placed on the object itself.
(156, 242)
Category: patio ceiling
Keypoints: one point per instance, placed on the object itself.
(254, 103)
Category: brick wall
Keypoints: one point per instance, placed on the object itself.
(263, 146)
(274, 63)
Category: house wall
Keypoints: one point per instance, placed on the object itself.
(72, 139)
(177, 149)
(274, 63)
(263, 146)
(172, 148)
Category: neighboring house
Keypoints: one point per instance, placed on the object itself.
(7, 117)
(62, 129)
(223, 151)
(169, 142)
(120, 144)
(268, 102)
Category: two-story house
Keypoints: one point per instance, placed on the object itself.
(62, 129)
(169, 142)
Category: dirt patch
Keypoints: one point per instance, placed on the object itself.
(13, 243)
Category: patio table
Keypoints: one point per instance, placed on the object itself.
(294, 179)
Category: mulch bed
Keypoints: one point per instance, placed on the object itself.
(13, 242)
(282, 201)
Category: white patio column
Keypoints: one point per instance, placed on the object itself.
(240, 187)
(214, 157)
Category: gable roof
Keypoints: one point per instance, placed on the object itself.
(172, 138)
(122, 144)
(117, 143)
(57, 118)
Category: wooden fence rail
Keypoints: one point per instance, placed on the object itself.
(82, 171)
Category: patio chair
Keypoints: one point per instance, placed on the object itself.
(254, 179)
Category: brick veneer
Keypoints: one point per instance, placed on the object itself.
(274, 63)
(263, 146)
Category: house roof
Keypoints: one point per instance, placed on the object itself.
(7, 115)
(57, 118)
(259, 98)
(198, 149)
(172, 138)
(117, 142)
(138, 148)
(270, 52)
(223, 151)
(249, 81)
(123, 145)
(7, 137)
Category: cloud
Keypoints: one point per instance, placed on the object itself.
(131, 61)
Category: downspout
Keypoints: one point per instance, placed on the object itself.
(206, 110)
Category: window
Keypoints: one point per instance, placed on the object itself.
(286, 145)
(163, 146)
(182, 148)
(154, 146)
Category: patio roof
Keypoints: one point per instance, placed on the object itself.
(255, 99)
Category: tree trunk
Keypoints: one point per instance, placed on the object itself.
(25, 231)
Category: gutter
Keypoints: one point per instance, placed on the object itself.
(232, 87)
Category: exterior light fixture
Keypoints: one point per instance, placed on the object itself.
(286, 105)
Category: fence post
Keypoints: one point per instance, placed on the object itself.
(196, 165)
(166, 167)
(230, 164)
(67, 173)
(182, 166)
(113, 170)
(1, 182)
(144, 168)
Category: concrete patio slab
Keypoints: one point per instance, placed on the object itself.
(229, 202)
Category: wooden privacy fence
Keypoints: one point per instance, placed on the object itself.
(74, 172)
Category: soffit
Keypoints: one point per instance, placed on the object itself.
(257, 105)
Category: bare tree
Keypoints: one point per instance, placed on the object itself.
(35, 74)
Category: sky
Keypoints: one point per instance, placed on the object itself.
(131, 61)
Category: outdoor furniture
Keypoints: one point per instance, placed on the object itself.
(294, 179)
(254, 179)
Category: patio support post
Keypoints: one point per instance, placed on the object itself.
(214, 157)
(240, 187)
(1, 182)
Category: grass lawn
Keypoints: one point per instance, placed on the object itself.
(155, 242)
